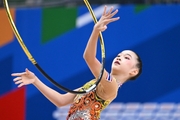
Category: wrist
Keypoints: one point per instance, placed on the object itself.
(35, 81)
(96, 30)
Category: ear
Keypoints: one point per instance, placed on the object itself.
(133, 72)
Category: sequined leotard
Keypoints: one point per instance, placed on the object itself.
(87, 106)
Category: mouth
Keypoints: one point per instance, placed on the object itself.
(117, 62)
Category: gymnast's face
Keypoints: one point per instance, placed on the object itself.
(125, 63)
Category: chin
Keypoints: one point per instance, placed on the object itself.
(116, 69)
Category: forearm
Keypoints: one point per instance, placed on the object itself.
(90, 51)
(53, 96)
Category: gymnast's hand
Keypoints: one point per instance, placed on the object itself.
(24, 78)
(106, 18)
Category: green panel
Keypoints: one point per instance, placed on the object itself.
(141, 7)
(56, 21)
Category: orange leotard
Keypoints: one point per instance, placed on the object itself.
(87, 106)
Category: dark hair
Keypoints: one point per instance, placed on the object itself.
(139, 66)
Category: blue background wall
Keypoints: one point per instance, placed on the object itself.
(151, 31)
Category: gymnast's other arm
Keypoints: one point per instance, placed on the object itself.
(105, 89)
(56, 98)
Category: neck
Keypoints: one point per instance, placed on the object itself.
(121, 79)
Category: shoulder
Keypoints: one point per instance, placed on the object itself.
(107, 88)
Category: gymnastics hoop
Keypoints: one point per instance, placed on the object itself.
(30, 57)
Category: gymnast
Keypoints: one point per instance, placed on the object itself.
(126, 66)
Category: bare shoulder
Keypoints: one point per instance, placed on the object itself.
(107, 88)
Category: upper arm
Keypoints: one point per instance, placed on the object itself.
(95, 66)
(67, 98)
(106, 88)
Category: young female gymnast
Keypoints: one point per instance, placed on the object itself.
(126, 66)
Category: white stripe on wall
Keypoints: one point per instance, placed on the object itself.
(86, 18)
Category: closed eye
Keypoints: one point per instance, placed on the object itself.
(127, 58)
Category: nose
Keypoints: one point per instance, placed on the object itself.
(119, 58)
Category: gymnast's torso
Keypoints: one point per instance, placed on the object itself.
(87, 106)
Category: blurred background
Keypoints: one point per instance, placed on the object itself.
(56, 33)
(27, 3)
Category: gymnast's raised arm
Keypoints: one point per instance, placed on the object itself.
(90, 51)
(106, 90)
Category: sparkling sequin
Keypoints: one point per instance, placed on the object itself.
(87, 106)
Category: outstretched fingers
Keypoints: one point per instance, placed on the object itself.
(18, 74)
(111, 20)
(108, 16)
(113, 13)
(23, 78)
(20, 85)
(18, 82)
(114, 19)
(104, 12)
(110, 11)
(17, 79)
